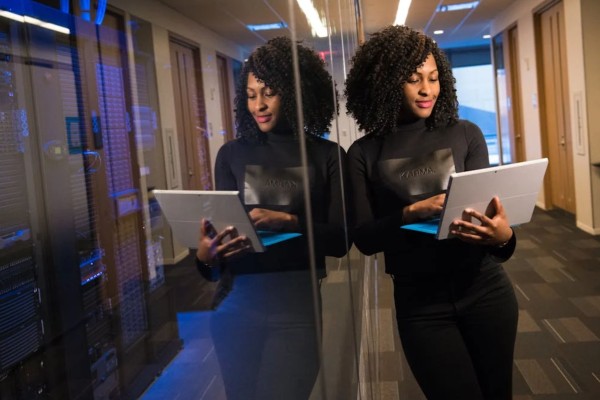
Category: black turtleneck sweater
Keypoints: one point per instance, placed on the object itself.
(394, 170)
(268, 174)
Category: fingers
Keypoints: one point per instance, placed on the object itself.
(233, 233)
(272, 220)
(260, 217)
(207, 229)
(466, 216)
(225, 232)
(235, 247)
(256, 214)
(491, 230)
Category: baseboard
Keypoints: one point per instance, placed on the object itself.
(178, 257)
(588, 229)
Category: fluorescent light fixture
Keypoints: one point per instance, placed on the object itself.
(55, 27)
(13, 16)
(34, 21)
(487, 36)
(402, 12)
(267, 27)
(312, 15)
(438, 32)
(47, 25)
(458, 7)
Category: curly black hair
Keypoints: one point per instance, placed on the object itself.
(271, 63)
(381, 67)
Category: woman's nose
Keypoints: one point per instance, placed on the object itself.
(260, 103)
(424, 88)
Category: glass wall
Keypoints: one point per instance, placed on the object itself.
(503, 99)
(101, 105)
(475, 89)
(475, 92)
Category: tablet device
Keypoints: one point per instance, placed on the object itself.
(184, 209)
(517, 185)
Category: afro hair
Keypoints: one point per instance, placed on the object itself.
(272, 64)
(381, 67)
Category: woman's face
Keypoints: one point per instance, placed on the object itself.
(264, 104)
(422, 90)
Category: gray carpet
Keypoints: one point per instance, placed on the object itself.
(556, 274)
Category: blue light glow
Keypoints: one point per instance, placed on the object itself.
(458, 7)
(267, 27)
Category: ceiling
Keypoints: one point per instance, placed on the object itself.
(228, 18)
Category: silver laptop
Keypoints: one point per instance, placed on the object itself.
(517, 185)
(184, 209)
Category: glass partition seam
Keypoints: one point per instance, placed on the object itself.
(307, 200)
(342, 181)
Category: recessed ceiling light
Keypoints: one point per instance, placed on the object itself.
(267, 27)
(487, 36)
(402, 13)
(314, 20)
(438, 32)
(458, 7)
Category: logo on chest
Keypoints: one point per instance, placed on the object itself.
(273, 186)
(417, 177)
(416, 172)
(283, 184)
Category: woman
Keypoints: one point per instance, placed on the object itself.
(265, 330)
(455, 306)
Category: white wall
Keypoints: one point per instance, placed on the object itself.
(521, 14)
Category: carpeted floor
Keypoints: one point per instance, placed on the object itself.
(556, 274)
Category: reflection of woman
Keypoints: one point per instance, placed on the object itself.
(264, 331)
(455, 306)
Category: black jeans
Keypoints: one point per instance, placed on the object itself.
(460, 347)
(265, 337)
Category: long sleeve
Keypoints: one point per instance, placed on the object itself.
(330, 233)
(224, 177)
(371, 234)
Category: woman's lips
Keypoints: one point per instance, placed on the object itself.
(425, 104)
(261, 119)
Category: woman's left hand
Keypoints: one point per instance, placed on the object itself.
(273, 220)
(493, 230)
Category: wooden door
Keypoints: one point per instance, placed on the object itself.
(226, 103)
(554, 107)
(192, 134)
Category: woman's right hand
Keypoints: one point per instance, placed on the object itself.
(423, 209)
(211, 248)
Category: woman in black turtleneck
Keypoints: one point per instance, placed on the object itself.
(265, 329)
(455, 306)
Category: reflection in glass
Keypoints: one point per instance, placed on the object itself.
(99, 295)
